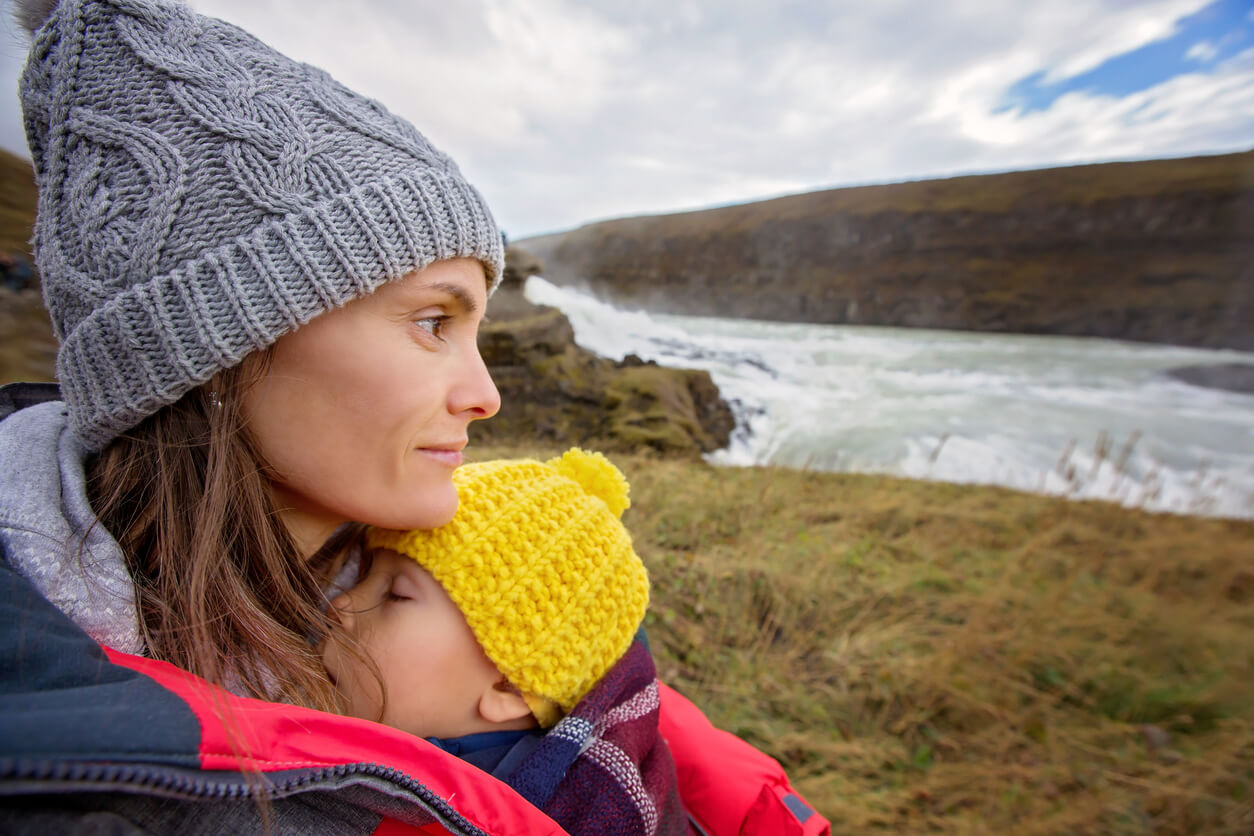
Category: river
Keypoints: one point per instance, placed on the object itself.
(1083, 418)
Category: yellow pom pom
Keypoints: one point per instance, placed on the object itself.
(597, 475)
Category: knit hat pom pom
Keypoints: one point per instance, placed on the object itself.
(33, 13)
(597, 475)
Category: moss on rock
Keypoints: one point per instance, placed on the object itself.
(554, 391)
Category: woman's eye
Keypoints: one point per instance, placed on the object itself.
(433, 325)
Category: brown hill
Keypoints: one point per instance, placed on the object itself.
(17, 204)
(27, 346)
(1160, 251)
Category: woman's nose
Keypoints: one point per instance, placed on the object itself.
(475, 394)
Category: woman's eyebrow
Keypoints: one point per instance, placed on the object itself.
(467, 302)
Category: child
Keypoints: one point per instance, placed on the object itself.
(507, 637)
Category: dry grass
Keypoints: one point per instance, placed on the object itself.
(936, 658)
(28, 349)
(17, 203)
(1219, 174)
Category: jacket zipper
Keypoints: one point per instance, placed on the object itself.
(186, 786)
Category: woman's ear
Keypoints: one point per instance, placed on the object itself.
(502, 703)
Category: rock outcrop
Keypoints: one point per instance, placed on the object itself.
(1235, 377)
(553, 390)
(1159, 251)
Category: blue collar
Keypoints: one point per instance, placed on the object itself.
(468, 743)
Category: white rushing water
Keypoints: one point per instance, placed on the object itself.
(1085, 418)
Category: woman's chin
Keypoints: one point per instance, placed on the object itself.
(432, 508)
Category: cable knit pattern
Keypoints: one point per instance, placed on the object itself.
(201, 195)
(541, 567)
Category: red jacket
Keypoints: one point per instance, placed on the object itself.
(89, 732)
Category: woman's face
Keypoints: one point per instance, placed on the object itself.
(362, 414)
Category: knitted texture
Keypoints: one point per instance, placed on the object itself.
(200, 195)
(541, 566)
(605, 768)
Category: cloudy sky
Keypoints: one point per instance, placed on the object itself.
(564, 112)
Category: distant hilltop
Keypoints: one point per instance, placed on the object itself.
(1158, 251)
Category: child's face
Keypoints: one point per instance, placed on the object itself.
(433, 669)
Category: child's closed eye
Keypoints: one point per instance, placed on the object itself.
(402, 589)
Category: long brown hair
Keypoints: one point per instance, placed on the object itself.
(221, 587)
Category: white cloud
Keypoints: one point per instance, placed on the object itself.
(1100, 31)
(564, 111)
(1202, 52)
(1192, 112)
(13, 45)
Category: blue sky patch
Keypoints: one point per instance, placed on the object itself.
(1199, 42)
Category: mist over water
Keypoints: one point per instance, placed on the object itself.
(1084, 418)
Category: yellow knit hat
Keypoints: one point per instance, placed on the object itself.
(543, 570)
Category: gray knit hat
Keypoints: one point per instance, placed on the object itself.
(200, 195)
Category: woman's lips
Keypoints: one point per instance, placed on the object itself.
(450, 457)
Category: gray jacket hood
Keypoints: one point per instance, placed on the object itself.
(49, 534)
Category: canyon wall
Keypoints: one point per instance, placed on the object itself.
(1159, 251)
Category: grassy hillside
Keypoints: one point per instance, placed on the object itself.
(1158, 250)
(1215, 175)
(28, 350)
(935, 658)
(27, 346)
(17, 203)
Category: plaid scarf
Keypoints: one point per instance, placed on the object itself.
(604, 768)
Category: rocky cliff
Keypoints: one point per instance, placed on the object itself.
(1158, 251)
(555, 392)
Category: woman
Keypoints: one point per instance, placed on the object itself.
(267, 291)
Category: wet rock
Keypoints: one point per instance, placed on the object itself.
(520, 265)
(1234, 377)
(554, 391)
